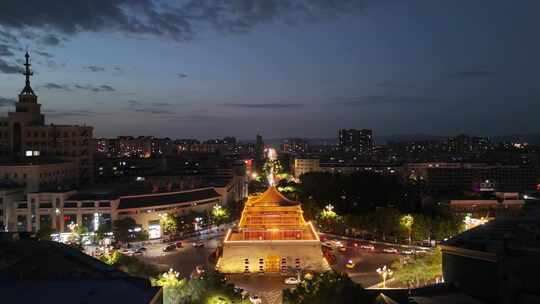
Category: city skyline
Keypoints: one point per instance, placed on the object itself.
(198, 69)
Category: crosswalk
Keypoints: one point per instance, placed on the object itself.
(272, 297)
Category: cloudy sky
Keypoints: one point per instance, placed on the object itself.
(211, 68)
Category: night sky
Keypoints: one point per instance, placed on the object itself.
(207, 69)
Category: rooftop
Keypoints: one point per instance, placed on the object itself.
(31, 161)
(157, 199)
(516, 233)
(271, 197)
(49, 272)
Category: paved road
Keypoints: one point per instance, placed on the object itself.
(185, 259)
(269, 286)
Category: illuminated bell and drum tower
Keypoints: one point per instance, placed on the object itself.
(272, 236)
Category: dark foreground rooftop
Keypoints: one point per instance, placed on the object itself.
(48, 272)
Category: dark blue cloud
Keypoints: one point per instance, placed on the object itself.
(269, 106)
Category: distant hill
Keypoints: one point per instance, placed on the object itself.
(384, 139)
(533, 139)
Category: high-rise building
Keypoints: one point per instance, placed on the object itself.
(356, 141)
(463, 144)
(294, 145)
(259, 151)
(24, 134)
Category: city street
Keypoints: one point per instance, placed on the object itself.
(184, 259)
(269, 286)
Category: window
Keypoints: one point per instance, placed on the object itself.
(70, 205)
(22, 206)
(44, 221)
(88, 205)
(104, 204)
(88, 221)
(69, 220)
(45, 205)
(22, 223)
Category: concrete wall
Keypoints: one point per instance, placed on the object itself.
(235, 254)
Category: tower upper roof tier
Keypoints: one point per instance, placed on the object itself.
(271, 197)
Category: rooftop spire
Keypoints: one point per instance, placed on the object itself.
(27, 72)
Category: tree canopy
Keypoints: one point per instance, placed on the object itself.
(327, 287)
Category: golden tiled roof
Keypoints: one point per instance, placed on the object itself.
(272, 210)
(271, 197)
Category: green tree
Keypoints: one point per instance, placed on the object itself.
(387, 221)
(124, 229)
(421, 227)
(169, 223)
(405, 223)
(219, 215)
(447, 226)
(100, 234)
(44, 233)
(327, 287)
(128, 264)
(420, 270)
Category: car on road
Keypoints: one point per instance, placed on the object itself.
(367, 246)
(407, 251)
(137, 253)
(178, 244)
(255, 299)
(170, 247)
(292, 281)
(342, 249)
(390, 250)
(350, 264)
(326, 247)
(126, 251)
(336, 243)
(328, 244)
(198, 244)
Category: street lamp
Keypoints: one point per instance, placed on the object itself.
(384, 272)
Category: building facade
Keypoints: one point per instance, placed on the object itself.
(24, 134)
(356, 141)
(458, 176)
(62, 210)
(37, 174)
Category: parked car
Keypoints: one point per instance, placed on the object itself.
(170, 247)
(367, 246)
(390, 250)
(350, 264)
(407, 251)
(292, 281)
(143, 249)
